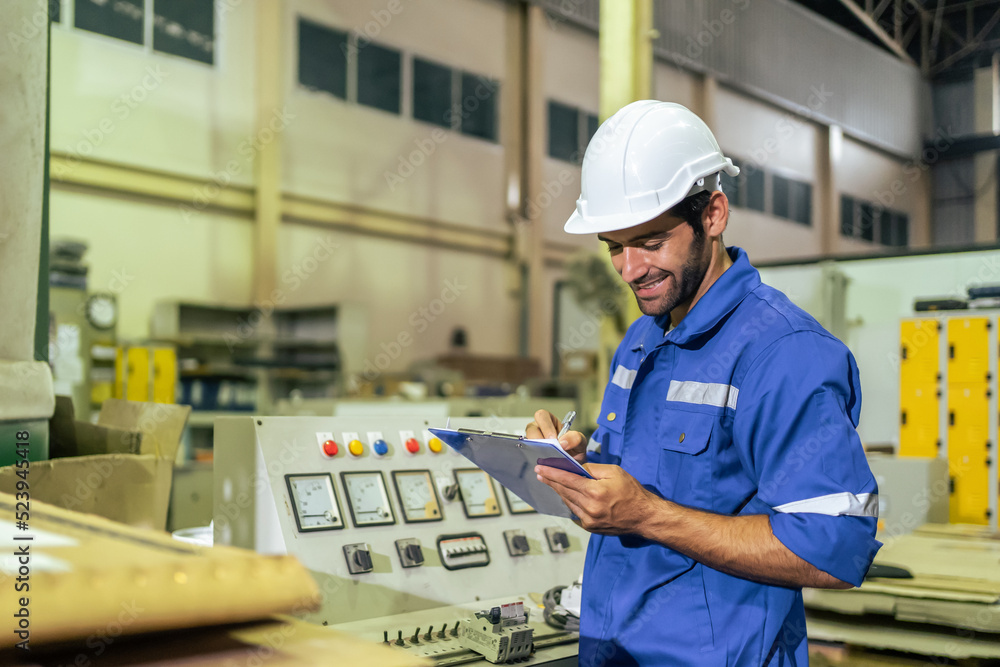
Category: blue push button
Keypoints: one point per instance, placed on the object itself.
(380, 447)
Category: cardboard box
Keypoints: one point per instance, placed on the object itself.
(120, 468)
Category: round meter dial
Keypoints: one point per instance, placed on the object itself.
(367, 498)
(314, 502)
(417, 496)
(479, 497)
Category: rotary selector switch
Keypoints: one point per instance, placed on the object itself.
(517, 542)
(557, 539)
(359, 558)
(411, 554)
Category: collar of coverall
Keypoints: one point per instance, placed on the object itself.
(721, 298)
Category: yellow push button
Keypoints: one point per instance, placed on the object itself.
(356, 448)
(434, 444)
(611, 416)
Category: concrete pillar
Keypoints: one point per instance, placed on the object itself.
(26, 396)
(986, 107)
(626, 53)
(826, 211)
(267, 163)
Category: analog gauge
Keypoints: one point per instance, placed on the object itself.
(478, 495)
(102, 311)
(367, 498)
(314, 502)
(417, 496)
(516, 505)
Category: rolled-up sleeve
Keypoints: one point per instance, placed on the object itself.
(795, 427)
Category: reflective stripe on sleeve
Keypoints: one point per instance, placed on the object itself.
(835, 504)
(624, 377)
(703, 393)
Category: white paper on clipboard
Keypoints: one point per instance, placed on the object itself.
(511, 461)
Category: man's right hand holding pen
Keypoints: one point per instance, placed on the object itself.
(547, 426)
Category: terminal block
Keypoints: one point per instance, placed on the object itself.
(500, 635)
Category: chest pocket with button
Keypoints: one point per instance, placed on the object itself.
(684, 472)
(612, 422)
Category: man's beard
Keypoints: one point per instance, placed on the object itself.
(692, 274)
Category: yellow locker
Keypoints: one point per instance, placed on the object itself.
(137, 374)
(119, 372)
(968, 436)
(918, 421)
(164, 374)
(968, 349)
(970, 488)
(919, 352)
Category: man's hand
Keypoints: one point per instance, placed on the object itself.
(546, 426)
(613, 503)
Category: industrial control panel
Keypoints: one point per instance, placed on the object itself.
(391, 522)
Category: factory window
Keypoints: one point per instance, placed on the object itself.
(323, 58)
(792, 199)
(754, 187)
(55, 11)
(564, 132)
(432, 92)
(379, 77)
(733, 186)
(868, 221)
(185, 28)
(122, 19)
(846, 216)
(570, 130)
(478, 107)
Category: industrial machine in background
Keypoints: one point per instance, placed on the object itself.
(411, 544)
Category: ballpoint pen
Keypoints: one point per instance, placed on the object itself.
(567, 422)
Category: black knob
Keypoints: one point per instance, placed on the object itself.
(414, 553)
(561, 539)
(415, 639)
(363, 559)
(519, 542)
(399, 639)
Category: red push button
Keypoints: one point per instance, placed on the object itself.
(330, 448)
(412, 446)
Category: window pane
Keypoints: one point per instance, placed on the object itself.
(322, 58)
(378, 77)
(55, 10)
(431, 92)
(563, 132)
(801, 202)
(592, 124)
(755, 187)
(185, 28)
(866, 221)
(886, 228)
(732, 186)
(846, 216)
(123, 19)
(901, 231)
(479, 106)
(780, 189)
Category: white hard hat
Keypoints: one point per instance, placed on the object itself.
(643, 160)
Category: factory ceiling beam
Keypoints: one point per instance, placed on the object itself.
(870, 20)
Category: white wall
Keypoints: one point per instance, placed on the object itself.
(881, 292)
(146, 253)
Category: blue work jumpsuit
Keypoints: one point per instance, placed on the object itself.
(747, 407)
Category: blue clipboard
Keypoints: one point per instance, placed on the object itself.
(511, 460)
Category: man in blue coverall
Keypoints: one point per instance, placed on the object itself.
(728, 471)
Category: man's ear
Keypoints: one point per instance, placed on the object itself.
(715, 217)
